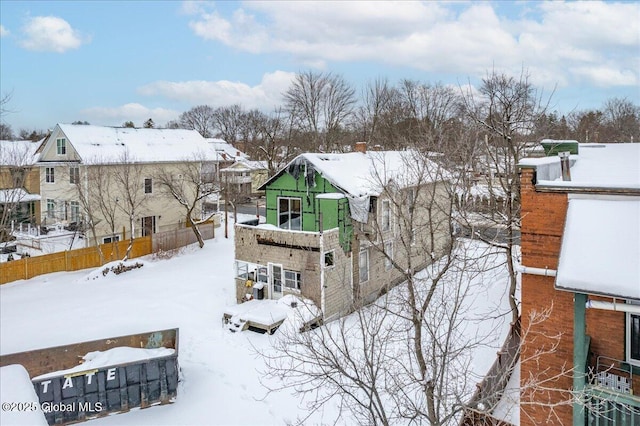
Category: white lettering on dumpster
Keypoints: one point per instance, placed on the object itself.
(68, 383)
(111, 374)
(45, 386)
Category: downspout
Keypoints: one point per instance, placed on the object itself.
(322, 302)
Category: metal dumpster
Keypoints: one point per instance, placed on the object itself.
(84, 394)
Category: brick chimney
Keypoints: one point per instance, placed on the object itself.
(361, 147)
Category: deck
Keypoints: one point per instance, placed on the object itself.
(268, 315)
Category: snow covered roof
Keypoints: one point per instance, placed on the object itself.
(245, 165)
(109, 144)
(15, 195)
(601, 246)
(18, 153)
(225, 151)
(363, 174)
(615, 165)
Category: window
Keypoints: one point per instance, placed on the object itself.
(148, 186)
(388, 249)
(633, 339)
(364, 265)
(61, 146)
(386, 215)
(75, 211)
(292, 280)
(49, 173)
(51, 208)
(328, 259)
(373, 202)
(111, 239)
(242, 269)
(289, 214)
(74, 175)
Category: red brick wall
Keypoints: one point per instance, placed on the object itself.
(547, 348)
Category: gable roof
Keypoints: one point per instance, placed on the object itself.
(361, 174)
(109, 144)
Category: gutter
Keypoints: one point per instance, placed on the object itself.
(536, 271)
(613, 306)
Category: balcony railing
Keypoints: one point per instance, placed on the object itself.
(605, 407)
(609, 398)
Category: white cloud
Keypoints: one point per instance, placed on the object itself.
(50, 34)
(129, 112)
(561, 39)
(263, 96)
(3, 31)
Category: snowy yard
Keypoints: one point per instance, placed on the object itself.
(220, 381)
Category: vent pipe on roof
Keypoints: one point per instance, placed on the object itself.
(564, 165)
(609, 306)
(361, 147)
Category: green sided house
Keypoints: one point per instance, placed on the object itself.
(340, 227)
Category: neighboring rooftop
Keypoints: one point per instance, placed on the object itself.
(109, 144)
(18, 153)
(615, 165)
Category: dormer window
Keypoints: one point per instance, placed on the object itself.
(61, 146)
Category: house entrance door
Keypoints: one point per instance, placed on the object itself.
(275, 280)
(148, 225)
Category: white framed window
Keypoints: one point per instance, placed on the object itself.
(633, 339)
(74, 175)
(61, 146)
(386, 215)
(111, 239)
(148, 186)
(75, 211)
(329, 261)
(388, 249)
(51, 208)
(290, 213)
(292, 280)
(242, 269)
(363, 263)
(49, 173)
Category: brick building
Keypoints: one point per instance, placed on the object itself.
(580, 357)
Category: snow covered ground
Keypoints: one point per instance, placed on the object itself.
(220, 377)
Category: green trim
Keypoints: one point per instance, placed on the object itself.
(553, 148)
(579, 355)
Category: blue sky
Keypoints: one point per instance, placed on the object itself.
(112, 61)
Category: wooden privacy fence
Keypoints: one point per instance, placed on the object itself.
(72, 260)
(491, 389)
(171, 240)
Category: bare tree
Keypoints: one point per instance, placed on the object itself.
(622, 121)
(228, 121)
(406, 357)
(16, 163)
(186, 185)
(322, 104)
(130, 198)
(199, 118)
(506, 112)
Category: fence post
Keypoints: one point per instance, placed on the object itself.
(26, 267)
(66, 260)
